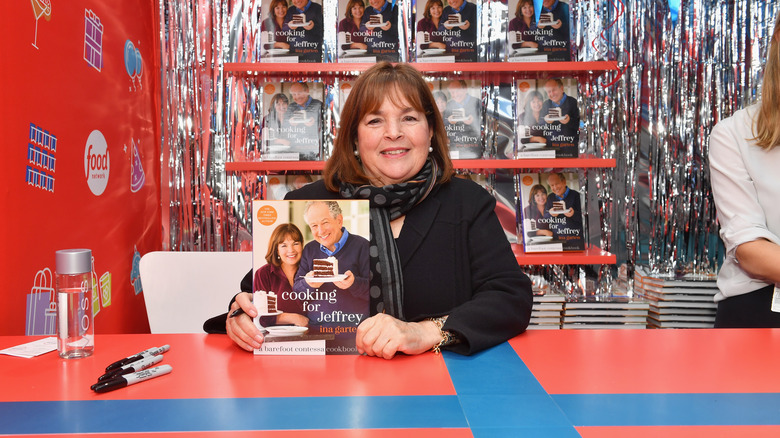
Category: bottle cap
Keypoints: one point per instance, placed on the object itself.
(73, 261)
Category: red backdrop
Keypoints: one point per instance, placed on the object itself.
(80, 155)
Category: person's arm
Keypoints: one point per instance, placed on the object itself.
(575, 209)
(759, 259)
(304, 268)
(357, 284)
(493, 308)
(743, 224)
(500, 307)
(384, 336)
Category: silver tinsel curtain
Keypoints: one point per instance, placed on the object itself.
(653, 116)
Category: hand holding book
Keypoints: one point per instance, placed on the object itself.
(240, 328)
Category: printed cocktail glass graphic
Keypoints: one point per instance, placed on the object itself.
(41, 8)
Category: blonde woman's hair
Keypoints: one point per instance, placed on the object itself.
(767, 123)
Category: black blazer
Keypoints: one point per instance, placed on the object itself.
(457, 262)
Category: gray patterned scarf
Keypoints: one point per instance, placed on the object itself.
(386, 204)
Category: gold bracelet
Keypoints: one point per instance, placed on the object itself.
(447, 338)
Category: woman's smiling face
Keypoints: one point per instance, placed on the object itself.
(290, 251)
(393, 141)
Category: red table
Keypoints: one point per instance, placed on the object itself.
(589, 383)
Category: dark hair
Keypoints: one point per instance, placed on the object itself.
(428, 5)
(350, 5)
(383, 81)
(520, 7)
(273, 6)
(278, 236)
(277, 97)
(532, 193)
(527, 111)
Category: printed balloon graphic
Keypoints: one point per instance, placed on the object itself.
(134, 65)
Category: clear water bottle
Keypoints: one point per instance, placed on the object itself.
(75, 322)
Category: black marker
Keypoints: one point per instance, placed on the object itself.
(138, 365)
(130, 359)
(131, 379)
(236, 312)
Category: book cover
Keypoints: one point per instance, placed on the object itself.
(292, 124)
(548, 39)
(662, 304)
(382, 21)
(548, 118)
(643, 275)
(367, 32)
(460, 104)
(600, 312)
(681, 324)
(679, 290)
(533, 326)
(546, 313)
(311, 270)
(291, 32)
(682, 311)
(551, 212)
(606, 319)
(545, 320)
(609, 305)
(446, 31)
(681, 317)
(676, 297)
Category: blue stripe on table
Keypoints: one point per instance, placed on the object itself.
(740, 409)
(501, 397)
(301, 413)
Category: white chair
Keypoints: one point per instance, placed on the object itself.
(183, 289)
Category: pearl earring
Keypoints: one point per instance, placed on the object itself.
(357, 154)
(430, 149)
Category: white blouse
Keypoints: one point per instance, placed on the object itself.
(746, 187)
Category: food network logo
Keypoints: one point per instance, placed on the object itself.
(96, 162)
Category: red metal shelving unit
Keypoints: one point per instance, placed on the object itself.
(317, 166)
(460, 68)
(592, 255)
(494, 70)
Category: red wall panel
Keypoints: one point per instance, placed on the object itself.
(80, 152)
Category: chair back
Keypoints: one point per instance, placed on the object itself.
(184, 289)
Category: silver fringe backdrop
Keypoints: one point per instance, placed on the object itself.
(653, 117)
(697, 72)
